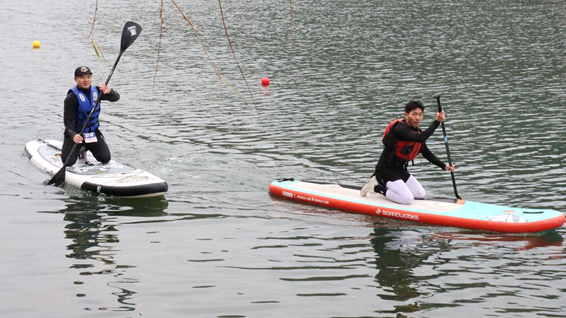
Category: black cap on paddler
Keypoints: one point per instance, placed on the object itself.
(82, 70)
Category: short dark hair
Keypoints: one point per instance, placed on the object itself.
(412, 105)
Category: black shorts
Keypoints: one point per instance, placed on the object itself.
(384, 176)
(98, 149)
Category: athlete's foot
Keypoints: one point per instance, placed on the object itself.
(82, 152)
(380, 189)
(369, 187)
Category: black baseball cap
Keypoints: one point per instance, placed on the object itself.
(82, 70)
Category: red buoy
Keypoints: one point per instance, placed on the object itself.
(265, 81)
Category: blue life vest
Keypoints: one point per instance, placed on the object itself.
(85, 106)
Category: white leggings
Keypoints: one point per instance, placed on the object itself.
(404, 193)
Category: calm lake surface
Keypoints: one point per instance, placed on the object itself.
(218, 245)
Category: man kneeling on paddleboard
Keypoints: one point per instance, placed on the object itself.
(403, 141)
(79, 103)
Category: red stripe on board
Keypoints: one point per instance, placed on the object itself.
(405, 215)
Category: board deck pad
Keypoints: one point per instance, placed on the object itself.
(445, 212)
(113, 178)
(84, 166)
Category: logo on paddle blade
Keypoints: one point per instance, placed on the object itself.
(132, 30)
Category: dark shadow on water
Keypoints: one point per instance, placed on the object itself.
(520, 242)
(83, 200)
(402, 250)
(143, 207)
(395, 266)
(93, 232)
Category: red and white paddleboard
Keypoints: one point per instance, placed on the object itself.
(465, 214)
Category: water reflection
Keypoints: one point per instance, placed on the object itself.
(396, 263)
(92, 229)
(87, 231)
(404, 255)
(518, 242)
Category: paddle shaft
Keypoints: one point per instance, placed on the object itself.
(126, 42)
(447, 149)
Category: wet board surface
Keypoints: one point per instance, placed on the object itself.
(113, 178)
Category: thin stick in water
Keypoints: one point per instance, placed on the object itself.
(159, 48)
(234, 54)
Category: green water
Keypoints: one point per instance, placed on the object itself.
(218, 245)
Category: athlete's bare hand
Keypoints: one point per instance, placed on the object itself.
(78, 139)
(441, 116)
(450, 168)
(105, 89)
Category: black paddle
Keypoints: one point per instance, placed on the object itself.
(447, 149)
(130, 33)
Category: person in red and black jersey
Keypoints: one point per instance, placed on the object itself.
(403, 141)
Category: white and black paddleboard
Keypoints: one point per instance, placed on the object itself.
(114, 178)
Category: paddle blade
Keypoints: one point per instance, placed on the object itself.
(58, 178)
(130, 33)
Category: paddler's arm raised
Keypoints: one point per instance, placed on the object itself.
(440, 117)
(407, 133)
(108, 93)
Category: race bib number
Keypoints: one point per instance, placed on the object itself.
(90, 137)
